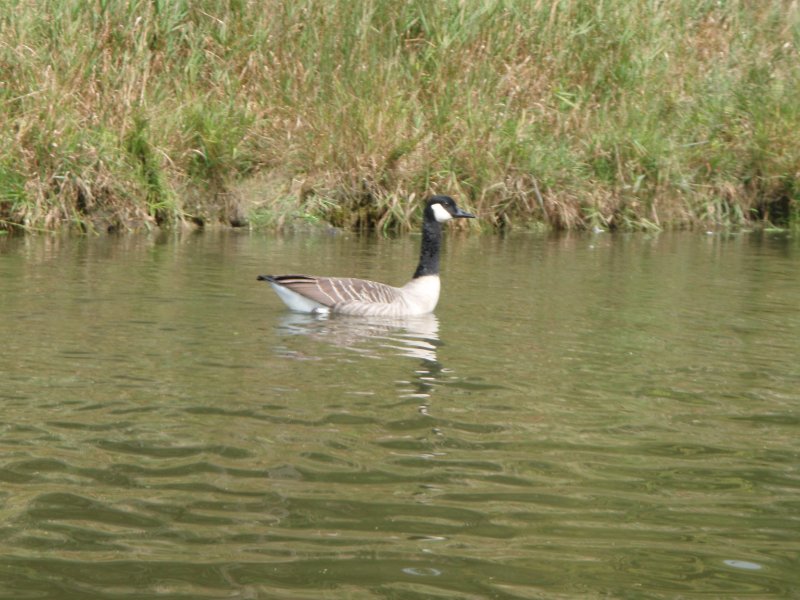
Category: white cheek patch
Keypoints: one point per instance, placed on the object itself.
(440, 213)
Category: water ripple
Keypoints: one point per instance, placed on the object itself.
(620, 422)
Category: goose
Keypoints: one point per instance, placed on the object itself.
(349, 296)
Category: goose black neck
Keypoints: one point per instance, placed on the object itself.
(429, 250)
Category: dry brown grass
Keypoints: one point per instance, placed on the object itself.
(118, 114)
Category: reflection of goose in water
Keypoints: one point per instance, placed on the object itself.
(413, 337)
(380, 337)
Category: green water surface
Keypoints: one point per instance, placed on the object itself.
(585, 416)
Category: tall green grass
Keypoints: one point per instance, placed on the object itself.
(571, 113)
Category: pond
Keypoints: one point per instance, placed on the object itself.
(584, 416)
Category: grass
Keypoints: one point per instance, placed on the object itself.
(572, 113)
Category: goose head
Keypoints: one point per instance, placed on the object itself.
(444, 208)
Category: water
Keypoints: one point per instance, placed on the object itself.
(584, 417)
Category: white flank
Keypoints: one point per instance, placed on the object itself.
(295, 301)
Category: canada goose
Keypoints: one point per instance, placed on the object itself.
(345, 295)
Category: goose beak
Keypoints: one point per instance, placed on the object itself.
(461, 214)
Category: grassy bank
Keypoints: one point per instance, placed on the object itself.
(571, 113)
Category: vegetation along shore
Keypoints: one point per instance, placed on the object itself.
(565, 114)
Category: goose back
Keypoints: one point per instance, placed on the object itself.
(351, 296)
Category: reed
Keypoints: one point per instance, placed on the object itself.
(572, 113)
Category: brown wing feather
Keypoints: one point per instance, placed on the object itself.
(332, 291)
